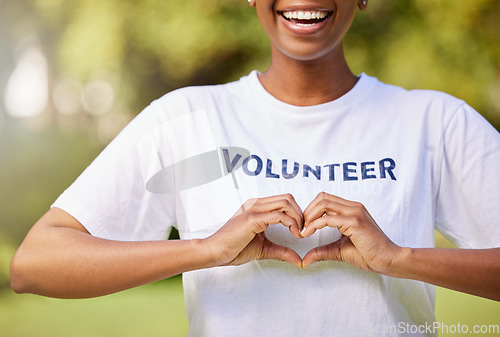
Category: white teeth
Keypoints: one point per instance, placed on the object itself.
(305, 15)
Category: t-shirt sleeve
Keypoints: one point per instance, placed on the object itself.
(110, 198)
(468, 201)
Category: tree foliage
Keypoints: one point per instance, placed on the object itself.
(437, 44)
(159, 45)
(155, 46)
(148, 47)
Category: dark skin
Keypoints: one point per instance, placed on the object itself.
(308, 67)
(60, 258)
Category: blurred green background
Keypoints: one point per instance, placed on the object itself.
(73, 73)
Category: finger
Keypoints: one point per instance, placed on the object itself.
(324, 196)
(329, 252)
(275, 217)
(285, 205)
(291, 200)
(317, 213)
(269, 200)
(289, 204)
(253, 202)
(334, 220)
(272, 251)
(326, 203)
(340, 200)
(317, 207)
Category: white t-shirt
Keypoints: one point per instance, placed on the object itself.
(417, 160)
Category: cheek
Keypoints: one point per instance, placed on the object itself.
(267, 18)
(307, 48)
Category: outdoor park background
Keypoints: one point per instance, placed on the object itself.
(73, 73)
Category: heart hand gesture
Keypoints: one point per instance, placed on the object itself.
(363, 244)
(242, 238)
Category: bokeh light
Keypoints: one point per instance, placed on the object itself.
(27, 90)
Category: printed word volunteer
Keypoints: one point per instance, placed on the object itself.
(253, 165)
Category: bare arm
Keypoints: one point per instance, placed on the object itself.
(364, 245)
(59, 258)
(472, 271)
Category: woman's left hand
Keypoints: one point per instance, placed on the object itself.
(363, 244)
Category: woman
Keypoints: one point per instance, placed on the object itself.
(351, 173)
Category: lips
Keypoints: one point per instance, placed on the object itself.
(305, 17)
(304, 21)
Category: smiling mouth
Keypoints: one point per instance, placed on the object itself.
(305, 18)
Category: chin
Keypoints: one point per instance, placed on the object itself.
(304, 54)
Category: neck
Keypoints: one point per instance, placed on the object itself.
(306, 83)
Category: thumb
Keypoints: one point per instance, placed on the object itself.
(330, 252)
(272, 251)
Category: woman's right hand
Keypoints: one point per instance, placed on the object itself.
(242, 238)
